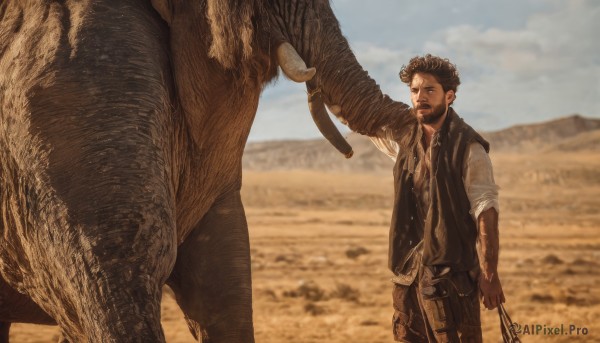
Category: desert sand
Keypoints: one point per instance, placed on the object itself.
(319, 252)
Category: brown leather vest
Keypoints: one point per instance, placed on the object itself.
(448, 232)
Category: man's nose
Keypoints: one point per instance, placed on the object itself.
(421, 96)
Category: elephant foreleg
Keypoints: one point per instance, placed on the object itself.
(211, 279)
(4, 331)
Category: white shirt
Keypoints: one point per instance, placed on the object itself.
(478, 176)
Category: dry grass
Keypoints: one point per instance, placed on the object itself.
(302, 225)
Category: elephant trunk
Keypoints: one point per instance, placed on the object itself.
(357, 100)
(347, 89)
(325, 124)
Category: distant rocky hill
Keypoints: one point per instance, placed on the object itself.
(586, 141)
(546, 135)
(573, 133)
(315, 154)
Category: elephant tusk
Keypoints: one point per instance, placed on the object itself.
(292, 64)
(326, 125)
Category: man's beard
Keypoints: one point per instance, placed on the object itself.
(436, 113)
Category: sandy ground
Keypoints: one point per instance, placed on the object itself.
(307, 227)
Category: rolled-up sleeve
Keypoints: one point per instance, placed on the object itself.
(385, 142)
(478, 178)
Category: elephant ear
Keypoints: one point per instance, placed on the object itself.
(232, 30)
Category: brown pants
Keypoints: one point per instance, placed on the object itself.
(440, 306)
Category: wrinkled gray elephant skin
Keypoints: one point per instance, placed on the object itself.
(122, 127)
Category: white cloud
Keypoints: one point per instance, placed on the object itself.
(548, 43)
(548, 68)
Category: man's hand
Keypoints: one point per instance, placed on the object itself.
(490, 291)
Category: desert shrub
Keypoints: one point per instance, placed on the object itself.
(346, 292)
(552, 259)
(355, 252)
(583, 262)
(369, 322)
(286, 258)
(313, 308)
(308, 290)
(542, 298)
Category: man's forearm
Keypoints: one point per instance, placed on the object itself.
(489, 243)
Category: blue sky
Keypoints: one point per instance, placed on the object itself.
(521, 61)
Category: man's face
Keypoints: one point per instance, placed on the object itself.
(428, 98)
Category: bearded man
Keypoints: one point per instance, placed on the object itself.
(444, 232)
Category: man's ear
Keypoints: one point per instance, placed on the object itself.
(164, 8)
(450, 97)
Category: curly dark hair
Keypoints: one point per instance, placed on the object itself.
(441, 68)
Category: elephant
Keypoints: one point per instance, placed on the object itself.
(122, 128)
